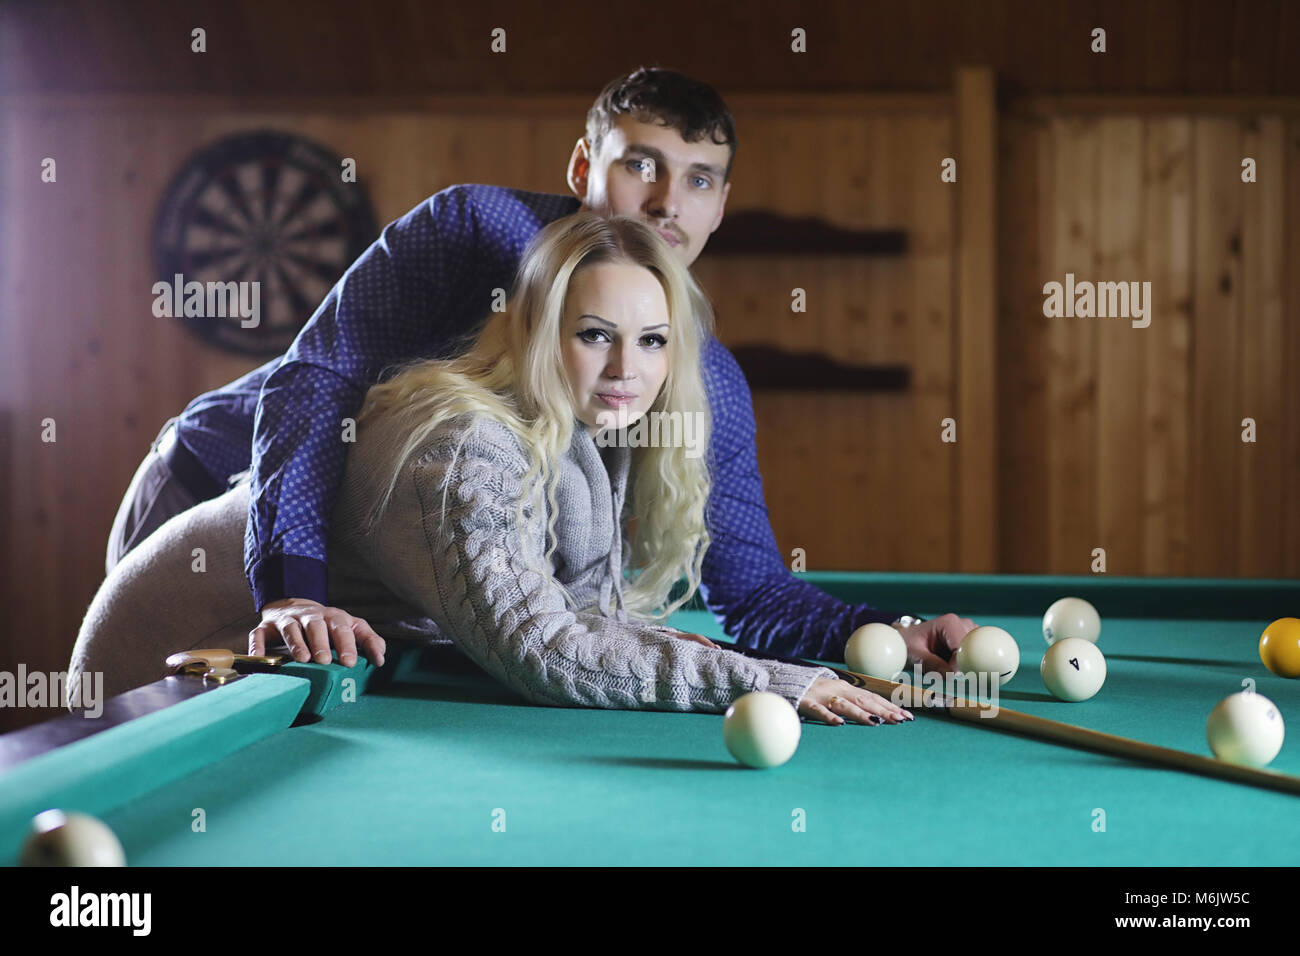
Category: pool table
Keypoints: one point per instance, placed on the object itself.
(436, 763)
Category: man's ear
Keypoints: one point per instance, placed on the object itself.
(579, 168)
(722, 206)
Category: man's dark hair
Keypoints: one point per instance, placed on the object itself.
(692, 108)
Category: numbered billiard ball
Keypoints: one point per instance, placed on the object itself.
(761, 729)
(876, 650)
(1279, 647)
(1245, 728)
(988, 650)
(1073, 669)
(71, 839)
(1071, 617)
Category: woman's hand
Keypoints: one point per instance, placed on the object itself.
(834, 701)
(307, 627)
(697, 638)
(684, 635)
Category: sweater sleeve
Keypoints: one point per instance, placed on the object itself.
(484, 580)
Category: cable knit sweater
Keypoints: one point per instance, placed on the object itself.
(465, 568)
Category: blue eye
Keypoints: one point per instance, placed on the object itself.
(706, 182)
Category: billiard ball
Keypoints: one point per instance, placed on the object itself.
(71, 839)
(876, 650)
(1073, 669)
(988, 650)
(761, 729)
(1245, 728)
(1279, 647)
(1071, 617)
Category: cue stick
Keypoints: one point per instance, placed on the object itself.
(1041, 728)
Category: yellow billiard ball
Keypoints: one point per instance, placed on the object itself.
(1279, 647)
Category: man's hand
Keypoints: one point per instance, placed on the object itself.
(933, 643)
(307, 629)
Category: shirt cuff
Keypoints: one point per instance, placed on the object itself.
(873, 615)
(289, 576)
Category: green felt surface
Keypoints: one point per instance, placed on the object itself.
(414, 774)
(418, 770)
(109, 770)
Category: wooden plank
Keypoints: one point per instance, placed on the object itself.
(14, 200)
(1286, 79)
(1208, 39)
(1025, 186)
(1167, 228)
(1261, 395)
(928, 467)
(1072, 382)
(1289, 459)
(977, 319)
(1122, 68)
(1251, 67)
(1076, 68)
(573, 107)
(884, 294)
(1198, 105)
(1120, 349)
(1216, 443)
(1165, 48)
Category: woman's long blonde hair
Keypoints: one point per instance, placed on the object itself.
(514, 373)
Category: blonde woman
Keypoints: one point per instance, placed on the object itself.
(491, 494)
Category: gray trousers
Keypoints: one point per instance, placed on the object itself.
(154, 496)
(181, 588)
(176, 582)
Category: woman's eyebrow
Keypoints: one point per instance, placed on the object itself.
(647, 328)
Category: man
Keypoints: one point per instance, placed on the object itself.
(658, 146)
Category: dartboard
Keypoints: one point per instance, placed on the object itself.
(261, 207)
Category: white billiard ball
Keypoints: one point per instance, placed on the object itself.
(876, 650)
(1071, 617)
(71, 839)
(1073, 669)
(988, 650)
(761, 729)
(1245, 728)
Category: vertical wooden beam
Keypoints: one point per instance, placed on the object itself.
(1289, 459)
(976, 312)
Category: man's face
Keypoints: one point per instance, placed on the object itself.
(647, 170)
(614, 343)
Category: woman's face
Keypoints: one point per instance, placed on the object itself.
(615, 343)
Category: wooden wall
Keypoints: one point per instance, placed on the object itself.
(854, 479)
(1130, 439)
(1107, 436)
(386, 48)
(863, 484)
